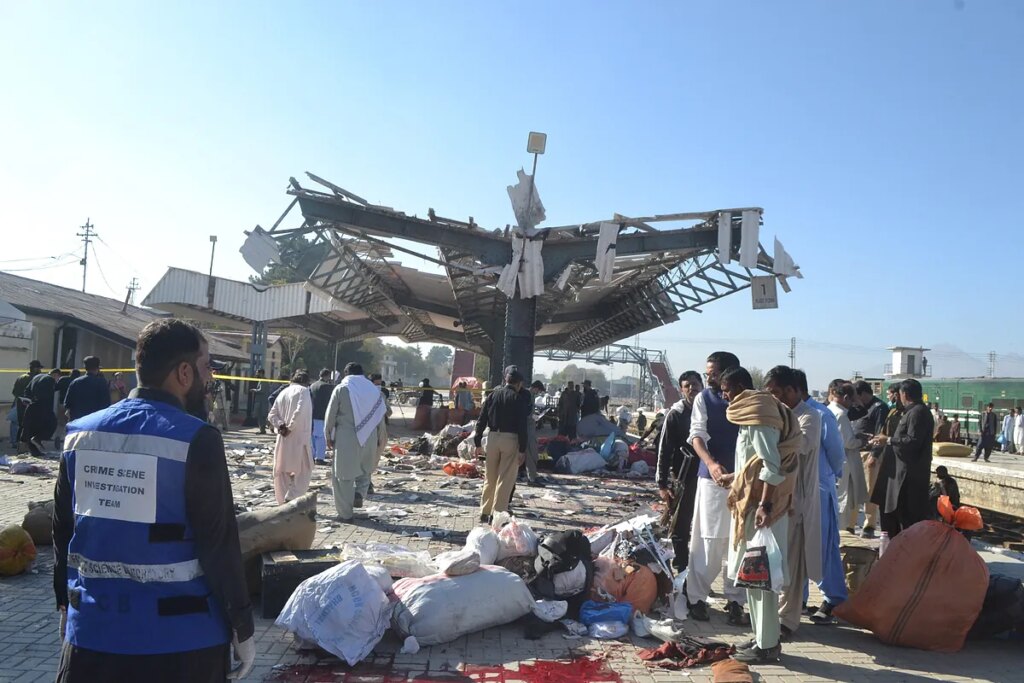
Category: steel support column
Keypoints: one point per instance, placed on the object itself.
(520, 334)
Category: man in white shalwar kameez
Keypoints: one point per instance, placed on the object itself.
(354, 425)
(853, 486)
(292, 417)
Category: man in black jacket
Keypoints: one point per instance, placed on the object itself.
(986, 433)
(504, 416)
(321, 391)
(677, 467)
(902, 489)
(872, 423)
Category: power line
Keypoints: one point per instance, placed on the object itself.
(102, 276)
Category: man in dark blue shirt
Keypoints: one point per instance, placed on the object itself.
(88, 393)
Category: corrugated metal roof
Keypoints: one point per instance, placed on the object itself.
(98, 314)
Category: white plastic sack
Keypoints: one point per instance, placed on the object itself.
(665, 630)
(550, 610)
(486, 544)
(577, 462)
(343, 610)
(438, 609)
(571, 582)
(678, 600)
(608, 630)
(397, 559)
(639, 469)
(600, 539)
(467, 450)
(517, 539)
(458, 562)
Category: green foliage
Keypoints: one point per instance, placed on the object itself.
(299, 257)
(574, 373)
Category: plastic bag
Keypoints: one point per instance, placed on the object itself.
(577, 462)
(550, 610)
(517, 539)
(397, 559)
(380, 575)
(608, 630)
(678, 600)
(965, 517)
(761, 567)
(343, 610)
(458, 562)
(461, 469)
(485, 542)
(592, 612)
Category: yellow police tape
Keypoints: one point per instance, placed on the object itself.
(132, 370)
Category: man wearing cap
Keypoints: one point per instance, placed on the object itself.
(20, 386)
(505, 413)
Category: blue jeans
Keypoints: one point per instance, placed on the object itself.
(319, 441)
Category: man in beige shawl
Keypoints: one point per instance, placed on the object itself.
(292, 417)
(354, 427)
(761, 496)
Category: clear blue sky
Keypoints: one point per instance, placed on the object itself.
(883, 140)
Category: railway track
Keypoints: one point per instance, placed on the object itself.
(1002, 530)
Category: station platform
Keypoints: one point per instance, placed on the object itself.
(996, 485)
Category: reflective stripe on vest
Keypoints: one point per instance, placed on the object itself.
(177, 572)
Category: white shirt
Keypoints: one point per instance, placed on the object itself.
(699, 420)
(850, 441)
(623, 413)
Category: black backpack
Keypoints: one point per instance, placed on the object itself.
(558, 553)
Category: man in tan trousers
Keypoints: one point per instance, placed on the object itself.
(503, 416)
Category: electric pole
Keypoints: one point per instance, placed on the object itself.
(792, 352)
(133, 287)
(86, 236)
(991, 363)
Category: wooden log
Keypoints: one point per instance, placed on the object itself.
(291, 526)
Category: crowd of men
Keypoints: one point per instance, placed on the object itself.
(733, 459)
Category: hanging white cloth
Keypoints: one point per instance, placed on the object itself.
(368, 406)
(784, 264)
(563, 279)
(725, 238)
(510, 273)
(521, 202)
(749, 230)
(604, 260)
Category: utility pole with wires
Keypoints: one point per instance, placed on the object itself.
(792, 352)
(133, 287)
(86, 236)
(991, 363)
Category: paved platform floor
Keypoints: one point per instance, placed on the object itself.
(432, 501)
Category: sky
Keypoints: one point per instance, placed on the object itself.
(882, 139)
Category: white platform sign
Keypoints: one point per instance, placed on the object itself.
(116, 486)
(763, 289)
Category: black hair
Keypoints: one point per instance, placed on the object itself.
(353, 369)
(260, 372)
(845, 390)
(91, 363)
(894, 387)
(724, 360)
(782, 376)
(912, 388)
(162, 346)
(325, 373)
(737, 375)
(537, 384)
(835, 384)
(300, 377)
(863, 387)
(801, 381)
(691, 376)
(375, 376)
(942, 471)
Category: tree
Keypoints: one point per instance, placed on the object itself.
(756, 374)
(299, 257)
(439, 355)
(574, 373)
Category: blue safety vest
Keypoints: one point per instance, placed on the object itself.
(135, 586)
(722, 433)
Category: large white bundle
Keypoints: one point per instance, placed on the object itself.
(439, 609)
(343, 610)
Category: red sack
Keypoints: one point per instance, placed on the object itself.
(455, 468)
(926, 591)
(637, 454)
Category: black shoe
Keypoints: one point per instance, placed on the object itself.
(737, 617)
(785, 633)
(321, 462)
(358, 502)
(746, 644)
(824, 615)
(809, 609)
(485, 519)
(369, 489)
(851, 530)
(756, 655)
(868, 532)
(699, 611)
(535, 482)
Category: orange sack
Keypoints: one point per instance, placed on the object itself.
(631, 582)
(926, 591)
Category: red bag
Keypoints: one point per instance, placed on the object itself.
(637, 454)
(926, 591)
(455, 468)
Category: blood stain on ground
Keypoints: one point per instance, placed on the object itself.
(580, 670)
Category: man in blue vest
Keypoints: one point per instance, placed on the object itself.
(713, 439)
(148, 570)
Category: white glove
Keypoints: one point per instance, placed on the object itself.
(245, 653)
